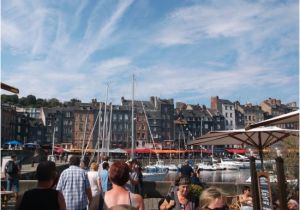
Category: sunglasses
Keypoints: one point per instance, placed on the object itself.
(222, 208)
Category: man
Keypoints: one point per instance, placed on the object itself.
(186, 170)
(75, 186)
(105, 185)
(133, 176)
(12, 172)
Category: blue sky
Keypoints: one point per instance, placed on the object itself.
(186, 50)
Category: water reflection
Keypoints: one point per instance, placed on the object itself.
(238, 176)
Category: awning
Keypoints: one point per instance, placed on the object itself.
(205, 151)
(236, 151)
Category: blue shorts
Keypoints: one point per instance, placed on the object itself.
(12, 182)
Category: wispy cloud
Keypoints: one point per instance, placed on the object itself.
(187, 50)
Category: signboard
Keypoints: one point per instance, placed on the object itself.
(264, 189)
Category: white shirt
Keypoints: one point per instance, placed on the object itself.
(93, 177)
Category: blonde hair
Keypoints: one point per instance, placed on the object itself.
(94, 166)
(209, 195)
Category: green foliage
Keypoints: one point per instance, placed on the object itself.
(10, 99)
(196, 190)
(31, 101)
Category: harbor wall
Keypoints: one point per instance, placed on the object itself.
(156, 189)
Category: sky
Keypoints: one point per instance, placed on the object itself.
(180, 49)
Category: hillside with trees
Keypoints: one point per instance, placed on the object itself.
(32, 101)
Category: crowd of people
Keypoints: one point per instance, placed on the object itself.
(117, 185)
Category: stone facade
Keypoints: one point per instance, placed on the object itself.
(8, 122)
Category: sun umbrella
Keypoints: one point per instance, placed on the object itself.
(259, 138)
(13, 142)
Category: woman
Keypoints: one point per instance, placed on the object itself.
(245, 199)
(94, 179)
(212, 198)
(118, 195)
(180, 197)
(43, 197)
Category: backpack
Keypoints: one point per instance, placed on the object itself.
(11, 168)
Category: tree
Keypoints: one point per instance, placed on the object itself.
(31, 100)
(23, 101)
(11, 99)
(41, 103)
(53, 102)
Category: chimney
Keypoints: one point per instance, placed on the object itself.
(214, 102)
(122, 100)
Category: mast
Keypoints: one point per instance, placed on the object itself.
(132, 120)
(83, 140)
(99, 131)
(104, 122)
(109, 130)
(53, 139)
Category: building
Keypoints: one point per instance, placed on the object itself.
(121, 127)
(8, 121)
(273, 107)
(160, 119)
(225, 107)
(59, 124)
(22, 125)
(37, 131)
(252, 113)
(33, 112)
(82, 128)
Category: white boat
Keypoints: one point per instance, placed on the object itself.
(206, 166)
(160, 167)
(230, 164)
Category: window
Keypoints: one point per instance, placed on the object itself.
(114, 117)
(206, 126)
(226, 114)
(226, 108)
(230, 122)
(19, 129)
(120, 117)
(230, 114)
(230, 107)
(68, 114)
(126, 117)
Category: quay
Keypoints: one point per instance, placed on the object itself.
(154, 190)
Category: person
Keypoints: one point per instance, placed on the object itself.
(94, 179)
(119, 175)
(245, 199)
(104, 182)
(133, 181)
(179, 197)
(139, 189)
(74, 184)
(196, 180)
(43, 197)
(186, 169)
(104, 159)
(292, 204)
(212, 198)
(12, 172)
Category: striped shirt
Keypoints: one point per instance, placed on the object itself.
(73, 183)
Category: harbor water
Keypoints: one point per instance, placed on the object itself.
(231, 176)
